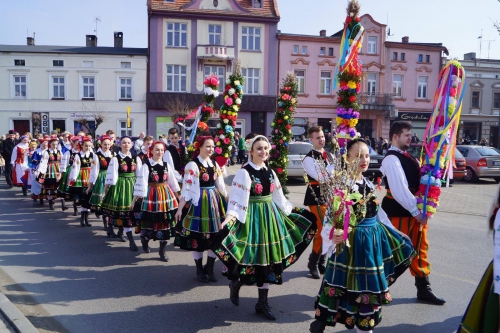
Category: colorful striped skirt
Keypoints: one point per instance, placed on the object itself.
(63, 189)
(356, 282)
(259, 250)
(156, 216)
(49, 181)
(117, 201)
(79, 187)
(202, 222)
(98, 191)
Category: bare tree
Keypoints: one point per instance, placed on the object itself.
(178, 108)
(95, 113)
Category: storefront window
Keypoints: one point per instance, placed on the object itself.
(471, 132)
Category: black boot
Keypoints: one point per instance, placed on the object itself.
(262, 307)
(82, 219)
(104, 223)
(313, 265)
(321, 264)
(145, 245)
(200, 273)
(86, 216)
(51, 204)
(25, 191)
(119, 235)
(131, 241)
(163, 256)
(75, 210)
(234, 291)
(111, 231)
(41, 201)
(317, 326)
(424, 291)
(209, 269)
(63, 205)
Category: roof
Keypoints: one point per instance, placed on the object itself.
(417, 46)
(74, 49)
(243, 8)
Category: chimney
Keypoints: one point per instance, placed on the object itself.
(118, 39)
(30, 41)
(405, 39)
(470, 56)
(322, 33)
(91, 40)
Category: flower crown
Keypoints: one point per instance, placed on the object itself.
(249, 143)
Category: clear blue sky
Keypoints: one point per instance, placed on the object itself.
(66, 22)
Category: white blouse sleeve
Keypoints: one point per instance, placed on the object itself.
(167, 158)
(13, 158)
(75, 168)
(112, 172)
(138, 162)
(42, 166)
(64, 161)
(279, 198)
(94, 169)
(172, 181)
(191, 183)
(141, 183)
(237, 205)
(219, 182)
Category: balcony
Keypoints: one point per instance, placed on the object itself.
(376, 101)
(218, 52)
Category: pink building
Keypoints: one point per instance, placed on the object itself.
(399, 81)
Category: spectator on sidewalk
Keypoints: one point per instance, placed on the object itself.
(139, 142)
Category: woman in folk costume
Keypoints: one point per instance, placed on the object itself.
(31, 152)
(356, 282)
(158, 188)
(66, 163)
(19, 161)
(79, 178)
(203, 188)
(35, 161)
(97, 179)
(49, 172)
(263, 234)
(119, 192)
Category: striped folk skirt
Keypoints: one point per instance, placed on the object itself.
(63, 189)
(156, 216)
(49, 181)
(78, 189)
(117, 201)
(202, 222)
(259, 250)
(97, 191)
(356, 282)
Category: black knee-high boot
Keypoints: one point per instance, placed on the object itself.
(132, 245)
(317, 326)
(145, 245)
(75, 209)
(105, 224)
(110, 231)
(163, 256)
(41, 200)
(119, 235)
(234, 291)
(86, 218)
(209, 269)
(262, 307)
(63, 205)
(82, 219)
(200, 273)
(51, 204)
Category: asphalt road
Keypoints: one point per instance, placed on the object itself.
(66, 278)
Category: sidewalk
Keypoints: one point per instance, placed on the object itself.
(12, 320)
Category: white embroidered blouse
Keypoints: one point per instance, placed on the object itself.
(191, 182)
(112, 172)
(75, 168)
(42, 166)
(141, 184)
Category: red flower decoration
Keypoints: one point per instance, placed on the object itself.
(280, 121)
(352, 99)
(205, 177)
(124, 167)
(271, 189)
(259, 188)
(156, 178)
(279, 170)
(215, 176)
(133, 167)
(348, 19)
(164, 176)
(194, 243)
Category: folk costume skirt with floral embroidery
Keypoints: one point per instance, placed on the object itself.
(156, 217)
(117, 201)
(97, 192)
(78, 189)
(199, 227)
(63, 189)
(259, 250)
(357, 280)
(49, 181)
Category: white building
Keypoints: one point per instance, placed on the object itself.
(45, 88)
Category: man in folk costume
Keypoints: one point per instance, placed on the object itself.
(176, 154)
(313, 197)
(402, 178)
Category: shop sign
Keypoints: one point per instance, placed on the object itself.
(298, 130)
(414, 116)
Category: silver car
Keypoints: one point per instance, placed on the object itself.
(296, 153)
(482, 162)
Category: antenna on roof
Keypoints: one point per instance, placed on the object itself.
(388, 29)
(96, 19)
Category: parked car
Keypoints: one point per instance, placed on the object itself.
(296, 153)
(482, 162)
(373, 171)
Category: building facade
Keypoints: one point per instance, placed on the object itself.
(68, 88)
(189, 40)
(398, 82)
(481, 103)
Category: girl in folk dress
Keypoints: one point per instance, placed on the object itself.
(203, 187)
(158, 188)
(79, 178)
(19, 161)
(49, 172)
(66, 163)
(35, 161)
(263, 233)
(356, 281)
(119, 192)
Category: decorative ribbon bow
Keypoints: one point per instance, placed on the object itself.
(345, 205)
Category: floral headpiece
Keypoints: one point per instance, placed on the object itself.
(156, 143)
(75, 138)
(105, 137)
(249, 143)
(52, 138)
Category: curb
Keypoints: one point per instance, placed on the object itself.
(20, 323)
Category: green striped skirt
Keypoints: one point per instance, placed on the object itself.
(117, 201)
(259, 250)
(63, 190)
(98, 190)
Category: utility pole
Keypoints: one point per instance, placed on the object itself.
(96, 19)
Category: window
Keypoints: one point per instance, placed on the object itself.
(218, 71)
(372, 83)
(422, 87)
(496, 100)
(176, 78)
(304, 49)
(301, 80)
(427, 58)
(58, 63)
(58, 87)
(88, 64)
(397, 86)
(252, 80)
(420, 58)
(124, 130)
(214, 33)
(322, 51)
(177, 34)
(125, 88)
(295, 49)
(394, 56)
(326, 83)
(372, 45)
(402, 57)
(20, 86)
(18, 62)
(257, 3)
(475, 99)
(250, 39)
(125, 64)
(330, 51)
(88, 85)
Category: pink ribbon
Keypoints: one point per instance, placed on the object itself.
(345, 204)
